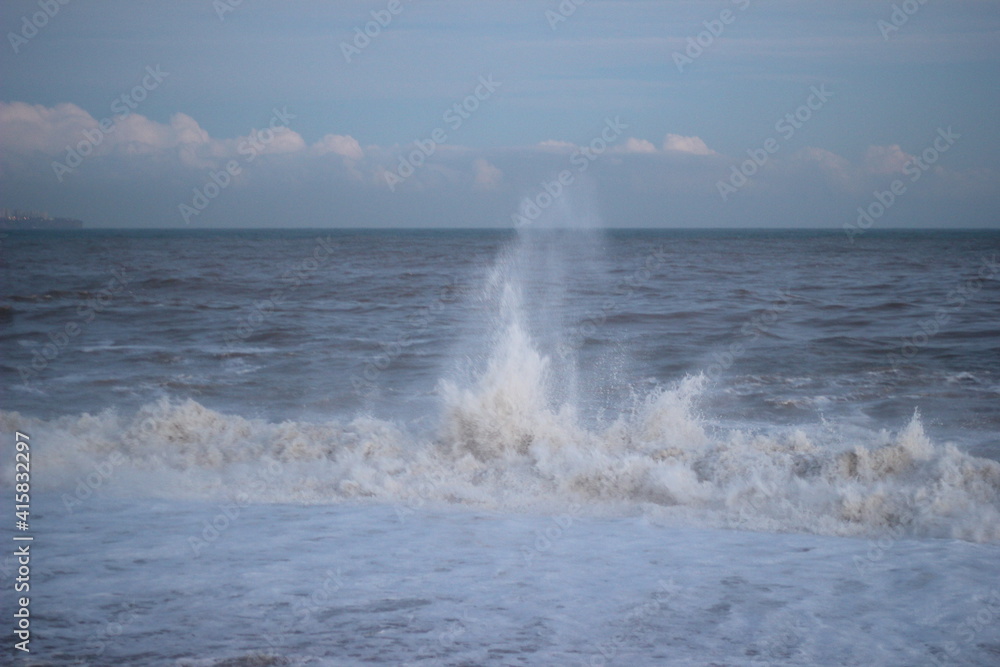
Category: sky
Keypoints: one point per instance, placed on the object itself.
(499, 113)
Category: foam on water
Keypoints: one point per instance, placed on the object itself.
(511, 435)
(499, 447)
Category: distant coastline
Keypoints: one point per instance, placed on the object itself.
(18, 220)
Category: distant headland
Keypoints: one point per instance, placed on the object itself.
(18, 219)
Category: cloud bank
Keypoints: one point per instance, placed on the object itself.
(60, 158)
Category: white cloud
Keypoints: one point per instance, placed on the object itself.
(837, 170)
(886, 159)
(635, 176)
(555, 146)
(340, 144)
(285, 140)
(673, 142)
(487, 175)
(682, 144)
(138, 135)
(28, 129)
(633, 145)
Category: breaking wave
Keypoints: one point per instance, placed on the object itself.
(513, 437)
(500, 445)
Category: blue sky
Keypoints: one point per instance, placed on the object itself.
(332, 152)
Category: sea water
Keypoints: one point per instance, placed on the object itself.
(561, 445)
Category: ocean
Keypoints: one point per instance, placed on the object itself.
(546, 446)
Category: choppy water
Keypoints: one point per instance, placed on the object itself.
(545, 447)
(772, 380)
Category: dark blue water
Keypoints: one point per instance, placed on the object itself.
(790, 327)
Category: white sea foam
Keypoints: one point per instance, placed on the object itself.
(501, 444)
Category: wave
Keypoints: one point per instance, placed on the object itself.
(499, 446)
(517, 431)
